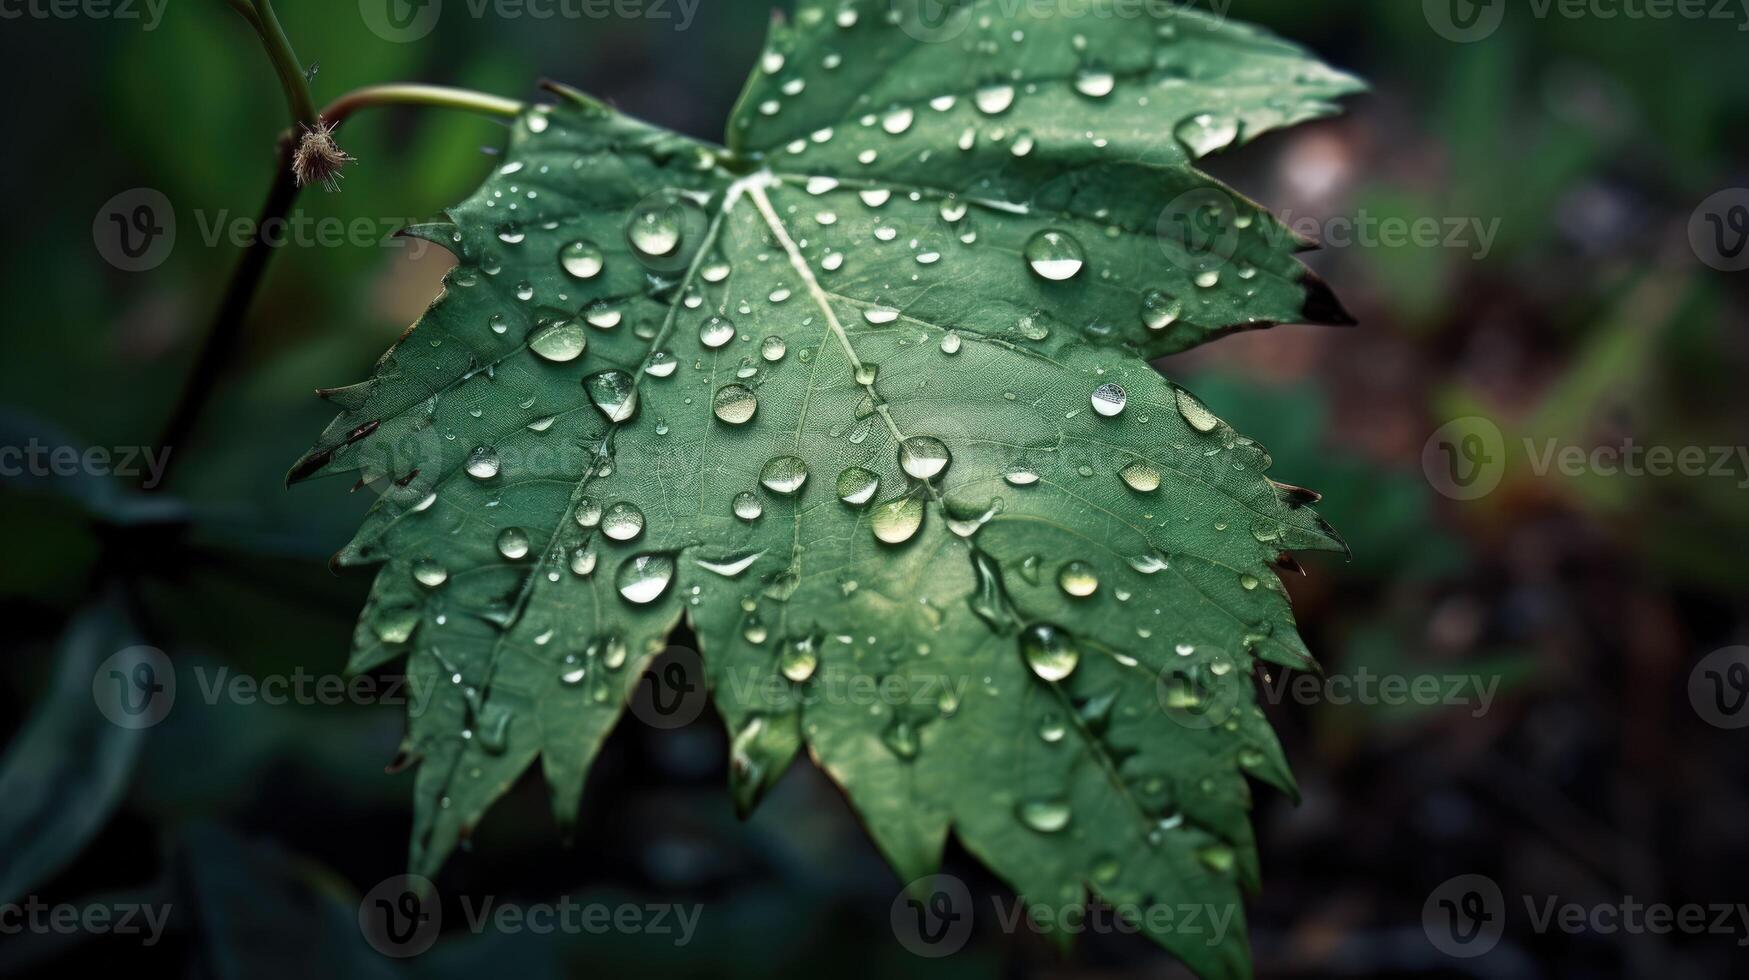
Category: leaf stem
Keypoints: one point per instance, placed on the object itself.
(225, 330)
(285, 62)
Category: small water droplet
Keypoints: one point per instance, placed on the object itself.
(429, 573)
(1141, 476)
(622, 521)
(513, 543)
(747, 506)
(1109, 399)
(644, 578)
(734, 404)
(1044, 816)
(716, 331)
(581, 259)
(923, 457)
(857, 486)
(614, 393)
(896, 521)
(1078, 579)
(1054, 255)
(784, 474)
(559, 341)
(655, 231)
(483, 463)
(1049, 651)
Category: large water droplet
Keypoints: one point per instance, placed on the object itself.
(1160, 310)
(1095, 83)
(798, 657)
(1049, 651)
(1206, 132)
(559, 341)
(622, 521)
(1054, 255)
(581, 259)
(734, 404)
(1141, 476)
(583, 562)
(784, 474)
(644, 578)
(483, 463)
(1044, 816)
(1195, 412)
(896, 521)
(655, 231)
(993, 99)
(614, 393)
(923, 457)
(513, 543)
(1078, 579)
(429, 573)
(716, 331)
(747, 506)
(1109, 399)
(857, 486)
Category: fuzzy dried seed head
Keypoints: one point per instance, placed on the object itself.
(318, 159)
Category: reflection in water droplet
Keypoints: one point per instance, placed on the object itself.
(923, 457)
(1044, 816)
(582, 561)
(559, 341)
(483, 463)
(614, 393)
(581, 259)
(1054, 255)
(513, 543)
(1141, 476)
(747, 506)
(655, 231)
(1095, 83)
(1049, 651)
(429, 573)
(772, 348)
(1078, 579)
(1160, 310)
(784, 474)
(857, 486)
(798, 657)
(716, 331)
(896, 521)
(731, 566)
(734, 404)
(993, 99)
(644, 578)
(1205, 133)
(1195, 412)
(622, 521)
(1109, 399)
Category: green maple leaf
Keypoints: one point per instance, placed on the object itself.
(865, 397)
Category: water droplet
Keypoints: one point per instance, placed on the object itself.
(396, 625)
(1052, 729)
(655, 231)
(901, 738)
(614, 393)
(1205, 133)
(644, 578)
(429, 573)
(1160, 310)
(731, 566)
(582, 561)
(588, 512)
(950, 343)
(773, 348)
(784, 474)
(513, 543)
(1109, 399)
(1049, 651)
(1248, 581)
(734, 404)
(581, 259)
(559, 341)
(483, 463)
(897, 121)
(747, 506)
(1141, 476)
(602, 315)
(1078, 579)
(622, 521)
(1095, 83)
(1195, 413)
(1216, 857)
(857, 486)
(878, 315)
(661, 364)
(716, 331)
(1044, 816)
(994, 99)
(896, 521)
(923, 457)
(1054, 255)
(799, 656)
(1021, 476)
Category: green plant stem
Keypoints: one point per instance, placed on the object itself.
(224, 333)
(286, 64)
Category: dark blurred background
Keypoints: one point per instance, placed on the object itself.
(1570, 295)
